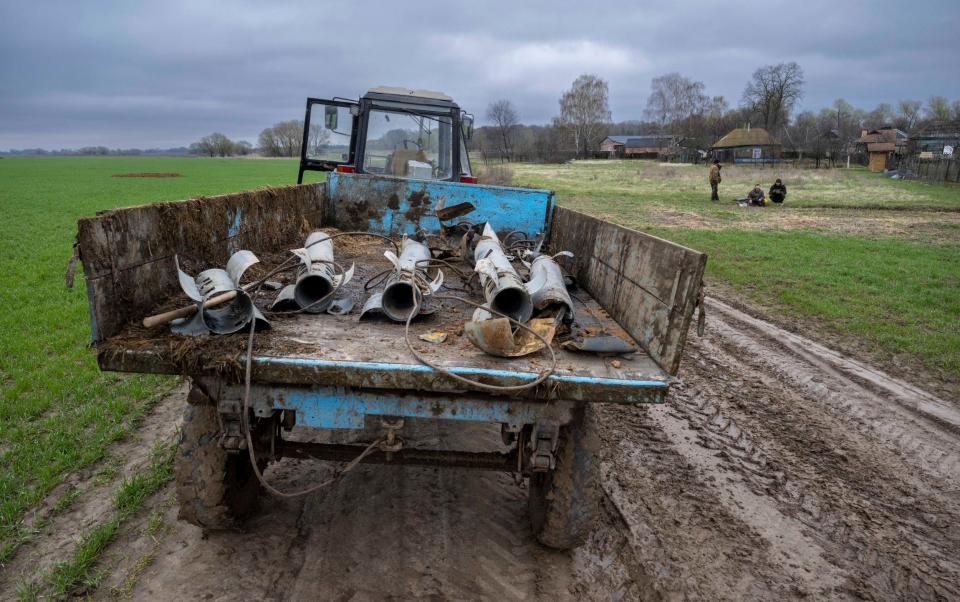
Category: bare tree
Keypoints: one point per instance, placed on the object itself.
(879, 117)
(938, 108)
(955, 109)
(282, 139)
(505, 121)
(674, 98)
(908, 114)
(213, 145)
(803, 134)
(773, 92)
(585, 113)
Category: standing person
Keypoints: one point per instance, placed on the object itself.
(778, 192)
(715, 180)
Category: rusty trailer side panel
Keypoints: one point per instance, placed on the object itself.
(650, 286)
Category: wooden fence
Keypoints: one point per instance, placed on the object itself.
(940, 170)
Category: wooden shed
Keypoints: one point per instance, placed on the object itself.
(747, 145)
(880, 144)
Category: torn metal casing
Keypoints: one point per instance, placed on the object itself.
(547, 289)
(228, 317)
(407, 286)
(502, 286)
(496, 336)
(316, 279)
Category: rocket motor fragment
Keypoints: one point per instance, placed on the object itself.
(547, 288)
(229, 317)
(406, 287)
(502, 286)
(316, 279)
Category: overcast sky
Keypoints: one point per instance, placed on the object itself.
(159, 74)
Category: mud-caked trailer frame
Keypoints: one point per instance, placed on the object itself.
(401, 163)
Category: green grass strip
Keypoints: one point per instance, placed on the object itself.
(64, 577)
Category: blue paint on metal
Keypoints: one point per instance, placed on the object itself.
(463, 371)
(234, 227)
(338, 407)
(400, 206)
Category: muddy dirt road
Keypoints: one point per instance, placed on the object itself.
(779, 469)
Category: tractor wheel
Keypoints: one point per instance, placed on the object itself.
(564, 503)
(216, 490)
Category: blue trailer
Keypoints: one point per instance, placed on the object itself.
(356, 380)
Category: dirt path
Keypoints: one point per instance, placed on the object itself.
(779, 469)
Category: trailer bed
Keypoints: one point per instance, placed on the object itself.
(308, 349)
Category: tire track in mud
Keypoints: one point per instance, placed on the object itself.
(866, 500)
(926, 426)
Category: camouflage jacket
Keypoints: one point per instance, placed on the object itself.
(715, 174)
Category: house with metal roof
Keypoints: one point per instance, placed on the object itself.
(747, 145)
(636, 146)
(937, 140)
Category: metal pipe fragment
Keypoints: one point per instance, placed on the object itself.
(406, 286)
(547, 289)
(401, 292)
(502, 286)
(316, 277)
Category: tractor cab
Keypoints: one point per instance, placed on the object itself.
(394, 132)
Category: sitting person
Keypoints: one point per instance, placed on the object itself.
(778, 192)
(755, 197)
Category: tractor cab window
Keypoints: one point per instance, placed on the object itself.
(409, 144)
(330, 133)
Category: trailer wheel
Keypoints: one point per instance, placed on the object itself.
(564, 503)
(216, 490)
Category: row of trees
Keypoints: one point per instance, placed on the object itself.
(218, 145)
(279, 140)
(680, 106)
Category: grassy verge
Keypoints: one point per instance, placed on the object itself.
(889, 278)
(61, 580)
(58, 413)
(899, 297)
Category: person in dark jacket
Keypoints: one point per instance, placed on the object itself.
(778, 192)
(715, 179)
(754, 198)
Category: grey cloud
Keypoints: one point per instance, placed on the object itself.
(157, 74)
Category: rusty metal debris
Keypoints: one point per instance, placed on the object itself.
(496, 336)
(228, 317)
(317, 279)
(502, 286)
(599, 343)
(406, 286)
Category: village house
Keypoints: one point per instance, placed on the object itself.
(747, 145)
(618, 147)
